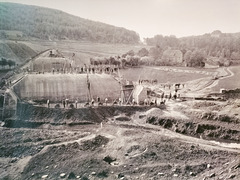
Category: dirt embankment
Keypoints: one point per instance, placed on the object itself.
(113, 152)
(156, 158)
(203, 130)
(18, 143)
(207, 120)
(119, 148)
(34, 116)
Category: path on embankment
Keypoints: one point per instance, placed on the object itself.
(205, 85)
(223, 73)
(141, 123)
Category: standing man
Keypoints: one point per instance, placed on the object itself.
(120, 101)
(92, 102)
(170, 96)
(64, 103)
(133, 101)
(146, 101)
(162, 96)
(48, 103)
(76, 102)
(98, 99)
(106, 100)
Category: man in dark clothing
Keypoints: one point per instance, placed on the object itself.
(64, 103)
(98, 99)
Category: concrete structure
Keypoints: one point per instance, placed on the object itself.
(50, 61)
(127, 88)
(140, 94)
(48, 64)
(56, 87)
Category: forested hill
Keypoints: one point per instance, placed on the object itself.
(215, 47)
(51, 24)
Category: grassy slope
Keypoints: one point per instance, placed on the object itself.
(84, 50)
(151, 73)
(6, 52)
(18, 52)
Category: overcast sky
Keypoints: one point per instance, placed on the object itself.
(151, 17)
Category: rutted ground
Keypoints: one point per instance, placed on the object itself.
(115, 151)
(123, 145)
(208, 120)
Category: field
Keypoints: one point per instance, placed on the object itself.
(85, 47)
(166, 74)
(12, 34)
(84, 50)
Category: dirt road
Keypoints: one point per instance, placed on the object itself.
(134, 152)
(118, 148)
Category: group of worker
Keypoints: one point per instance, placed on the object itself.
(83, 69)
(66, 103)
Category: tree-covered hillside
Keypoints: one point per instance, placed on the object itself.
(215, 48)
(45, 23)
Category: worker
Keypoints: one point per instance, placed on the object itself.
(64, 103)
(92, 102)
(76, 102)
(106, 100)
(133, 101)
(120, 101)
(48, 103)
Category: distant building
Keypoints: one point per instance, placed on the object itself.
(173, 56)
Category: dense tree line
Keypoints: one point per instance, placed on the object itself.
(47, 23)
(4, 62)
(215, 49)
(221, 48)
(129, 59)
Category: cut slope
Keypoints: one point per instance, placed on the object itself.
(16, 51)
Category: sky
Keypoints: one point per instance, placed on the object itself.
(151, 17)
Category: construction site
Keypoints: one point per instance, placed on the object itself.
(75, 120)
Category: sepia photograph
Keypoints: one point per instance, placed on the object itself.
(120, 89)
